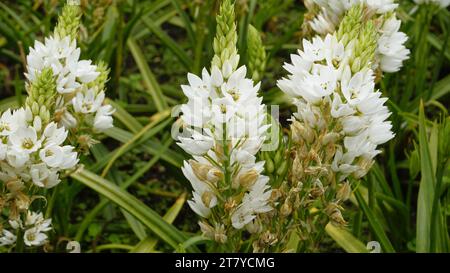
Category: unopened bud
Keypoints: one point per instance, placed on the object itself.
(286, 209)
(301, 132)
(207, 230)
(275, 195)
(249, 178)
(317, 189)
(219, 234)
(344, 191)
(330, 138)
(200, 170)
(254, 226)
(230, 204)
(207, 197)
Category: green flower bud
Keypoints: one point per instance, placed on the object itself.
(256, 54)
(68, 22)
(100, 82)
(224, 44)
(42, 91)
(351, 24)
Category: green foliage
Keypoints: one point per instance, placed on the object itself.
(138, 205)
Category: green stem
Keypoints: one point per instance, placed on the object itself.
(51, 203)
(19, 241)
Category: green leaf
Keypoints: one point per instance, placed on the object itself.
(374, 223)
(125, 200)
(150, 81)
(121, 114)
(426, 189)
(88, 218)
(148, 244)
(169, 42)
(186, 22)
(345, 239)
(126, 146)
(150, 146)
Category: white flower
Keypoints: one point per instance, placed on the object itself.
(202, 191)
(58, 157)
(17, 158)
(103, 119)
(356, 106)
(34, 237)
(391, 49)
(7, 238)
(62, 56)
(54, 135)
(10, 121)
(37, 225)
(254, 202)
(381, 6)
(197, 144)
(44, 177)
(224, 107)
(84, 71)
(25, 140)
(66, 119)
(88, 102)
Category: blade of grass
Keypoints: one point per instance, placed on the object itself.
(374, 223)
(187, 22)
(146, 215)
(121, 114)
(426, 189)
(150, 82)
(150, 146)
(134, 139)
(91, 215)
(345, 239)
(169, 42)
(147, 245)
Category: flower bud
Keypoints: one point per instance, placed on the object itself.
(344, 191)
(207, 197)
(286, 209)
(207, 230)
(330, 138)
(317, 189)
(301, 132)
(249, 178)
(254, 226)
(275, 195)
(230, 204)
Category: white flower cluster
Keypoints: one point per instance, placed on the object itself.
(440, 3)
(391, 51)
(31, 153)
(321, 80)
(34, 228)
(78, 96)
(225, 120)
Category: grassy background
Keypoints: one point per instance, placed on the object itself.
(150, 46)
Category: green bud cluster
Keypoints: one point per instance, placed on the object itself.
(68, 22)
(224, 44)
(276, 161)
(351, 25)
(365, 47)
(363, 36)
(100, 82)
(41, 95)
(256, 54)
